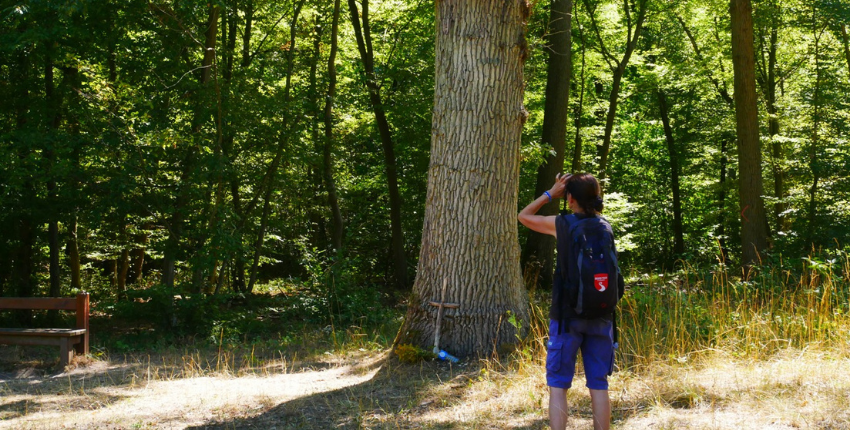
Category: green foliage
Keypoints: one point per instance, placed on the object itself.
(111, 133)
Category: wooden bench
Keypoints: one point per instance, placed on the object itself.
(65, 338)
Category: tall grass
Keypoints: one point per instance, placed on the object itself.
(751, 313)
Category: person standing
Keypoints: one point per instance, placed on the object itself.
(568, 331)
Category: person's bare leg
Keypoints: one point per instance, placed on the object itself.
(601, 405)
(558, 409)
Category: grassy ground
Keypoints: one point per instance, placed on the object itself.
(767, 349)
(795, 389)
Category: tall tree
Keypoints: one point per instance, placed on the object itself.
(278, 159)
(363, 34)
(675, 171)
(469, 238)
(179, 211)
(769, 81)
(750, 188)
(577, 146)
(845, 39)
(814, 162)
(539, 248)
(327, 148)
(635, 14)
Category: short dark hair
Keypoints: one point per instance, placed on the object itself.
(584, 188)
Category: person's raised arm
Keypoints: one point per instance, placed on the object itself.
(540, 223)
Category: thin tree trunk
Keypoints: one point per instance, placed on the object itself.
(469, 237)
(272, 172)
(364, 45)
(750, 187)
(539, 248)
(54, 103)
(23, 265)
(723, 92)
(315, 176)
(678, 231)
(71, 75)
(816, 120)
(327, 149)
(173, 244)
(138, 263)
(123, 269)
(777, 152)
(721, 198)
(577, 150)
(618, 68)
(846, 39)
(246, 35)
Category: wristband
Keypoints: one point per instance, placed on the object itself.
(548, 195)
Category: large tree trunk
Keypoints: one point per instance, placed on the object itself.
(678, 231)
(327, 149)
(540, 248)
(364, 45)
(469, 237)
(750, 187)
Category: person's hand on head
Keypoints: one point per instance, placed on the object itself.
(558, 190)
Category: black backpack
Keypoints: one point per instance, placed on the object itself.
(592, 281)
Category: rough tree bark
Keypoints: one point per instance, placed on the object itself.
(678, 231)
(750, 186)
(363, 34)
(469, 237)
(540, 248)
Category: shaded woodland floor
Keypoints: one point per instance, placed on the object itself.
(796, 389)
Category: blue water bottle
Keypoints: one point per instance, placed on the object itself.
(443, 355)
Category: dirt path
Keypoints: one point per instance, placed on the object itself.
(102, 396)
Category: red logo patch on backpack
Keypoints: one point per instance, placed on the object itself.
(600, 281)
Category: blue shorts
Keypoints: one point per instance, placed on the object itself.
(595, 338)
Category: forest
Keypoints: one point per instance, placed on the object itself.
(302, 176)
(214, 146)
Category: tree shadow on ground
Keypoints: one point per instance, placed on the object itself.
(397, 396)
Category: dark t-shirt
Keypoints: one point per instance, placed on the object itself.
(556, 311)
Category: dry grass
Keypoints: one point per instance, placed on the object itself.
(698, 351)
(807, 389)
